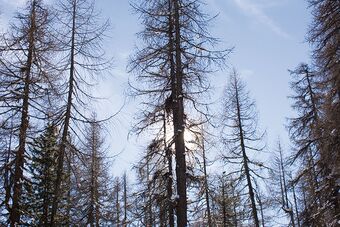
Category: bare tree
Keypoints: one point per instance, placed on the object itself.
(153, 189)
(175, 59)
(325, 40)
(83, 57)
(306, 133)
(280, 186)
(226, 201)
(26, 85)
(241, 136)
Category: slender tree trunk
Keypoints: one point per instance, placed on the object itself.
(62, 149)
(261, 209)
(245, 163)
(287, 208)
(125, 199)
(169, 176)
(296, 208)
(179, 124)
(68, 200)
(117, 205)
(14, 214)
(149, 216)
(46, 202)
(92, 185)
(7, 182)
(206, 187)
(224, 205)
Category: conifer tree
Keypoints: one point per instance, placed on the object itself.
(153, 189)
(94, 178)
(280, 185)
(80, 40)
(242, 138)
(175, 60)
(325, 40)
(26, 85)
(42, 167)
(226, 202)
(306, 134)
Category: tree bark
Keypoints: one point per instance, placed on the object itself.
(178, 115)
(169, 176)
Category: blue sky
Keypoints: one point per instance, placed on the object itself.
(268, 36)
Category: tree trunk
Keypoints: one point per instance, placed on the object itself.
(149, 216)
(14, 214)
(206, 187)
(224, 205)
(261, 209)
(7, 182)
(245, 162)
(91, 219)
(64, 138)
(286, 206)
(125, 199)
(117, 205)
(178, 118)
(296, 208)
(169, 176)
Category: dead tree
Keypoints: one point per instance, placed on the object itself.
(325, 40)
(306, 132)
(81, 43)
(26, 85)
(239, 133)
(174, 64)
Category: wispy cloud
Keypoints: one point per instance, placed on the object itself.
(257, 12)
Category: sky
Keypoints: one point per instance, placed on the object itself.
(268, 37)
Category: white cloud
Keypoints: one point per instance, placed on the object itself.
(256, 12)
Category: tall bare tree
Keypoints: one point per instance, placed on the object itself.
(94, 179)
(81, 37)
(325, 40)
(241, 136)
(175, 60)
(306, 134)
(279, 184)
(26, 85)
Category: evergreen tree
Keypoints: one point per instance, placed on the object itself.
(42, 169)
